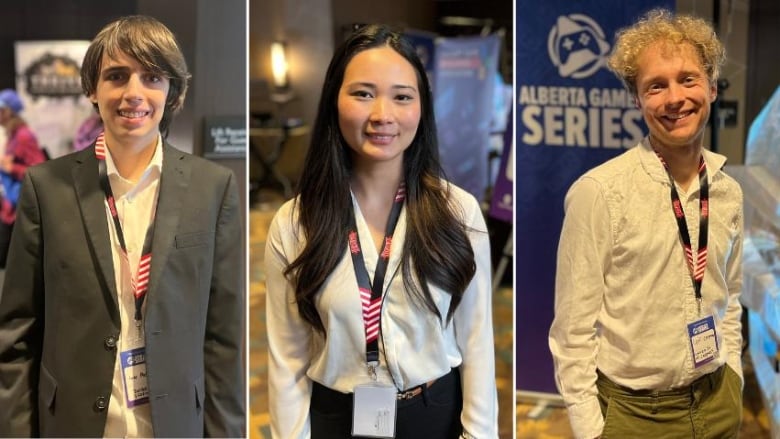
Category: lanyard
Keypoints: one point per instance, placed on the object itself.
(371, 295)
(139, 282)
(697, 269)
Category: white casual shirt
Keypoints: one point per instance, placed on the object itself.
(414, 345)
(624, 295)
(135, 205)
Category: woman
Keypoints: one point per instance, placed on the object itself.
(421, 334)
(21, 152)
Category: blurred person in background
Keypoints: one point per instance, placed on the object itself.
(21, 151)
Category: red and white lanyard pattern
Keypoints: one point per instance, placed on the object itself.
(696, 269)
(139, 282)
(371, 294)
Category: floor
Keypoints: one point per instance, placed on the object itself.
(260, 216)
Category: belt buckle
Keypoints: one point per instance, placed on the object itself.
(409, 394)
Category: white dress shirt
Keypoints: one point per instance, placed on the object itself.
(624, 295)
(135, 205)
(415, 347)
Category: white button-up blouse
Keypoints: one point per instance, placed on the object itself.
(415, 346)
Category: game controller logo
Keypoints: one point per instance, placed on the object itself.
(577, 46)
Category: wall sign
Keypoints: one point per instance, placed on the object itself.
(224, 137)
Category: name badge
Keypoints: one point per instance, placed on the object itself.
(134, 376)
(374, 411)
(704, 341)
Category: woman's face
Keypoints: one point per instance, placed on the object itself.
(379, 106)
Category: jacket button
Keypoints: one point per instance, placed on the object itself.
(101, 403)
(110, 342)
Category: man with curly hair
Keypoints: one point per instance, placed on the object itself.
(646, 337)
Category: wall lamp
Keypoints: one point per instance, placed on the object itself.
(279, 65)
(280, 68)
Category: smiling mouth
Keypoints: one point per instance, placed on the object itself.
(133, 114)
(380, 137)
(678, 116)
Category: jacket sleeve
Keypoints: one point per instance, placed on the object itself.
(289, 338)
(473, 322)
(21, 321)
(224, 405)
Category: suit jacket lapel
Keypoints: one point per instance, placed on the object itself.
(91, 201)
(174, 180)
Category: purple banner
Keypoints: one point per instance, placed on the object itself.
(503, 194)
(463, 77)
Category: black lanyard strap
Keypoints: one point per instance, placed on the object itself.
(371, 294)
(696, 269)
(139, 282)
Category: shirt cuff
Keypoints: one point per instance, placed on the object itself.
(586, 419)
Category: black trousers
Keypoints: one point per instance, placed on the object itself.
(433, 414)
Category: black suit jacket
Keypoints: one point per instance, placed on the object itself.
(58, 307)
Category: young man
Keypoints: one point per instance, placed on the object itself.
(122, 313)
(646, 337)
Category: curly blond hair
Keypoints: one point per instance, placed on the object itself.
(661, 25)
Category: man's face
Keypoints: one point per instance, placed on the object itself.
(131, 101)
(674, 94)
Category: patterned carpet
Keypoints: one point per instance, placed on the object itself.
(260, 217)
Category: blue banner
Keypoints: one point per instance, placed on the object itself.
(464, 78)
(572, 114)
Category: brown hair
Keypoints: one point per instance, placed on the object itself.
(151, 44)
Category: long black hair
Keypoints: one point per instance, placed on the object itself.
(436, 249)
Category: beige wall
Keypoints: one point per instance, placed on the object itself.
(306, 26)
(311, 29)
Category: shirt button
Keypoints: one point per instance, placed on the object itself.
(110, 342)
(101, 403)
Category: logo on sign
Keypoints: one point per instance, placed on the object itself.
(53, 76)
(577, 46)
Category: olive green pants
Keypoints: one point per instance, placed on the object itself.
(711, 407)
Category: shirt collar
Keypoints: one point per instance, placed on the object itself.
(120, 185)
(655, 169)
